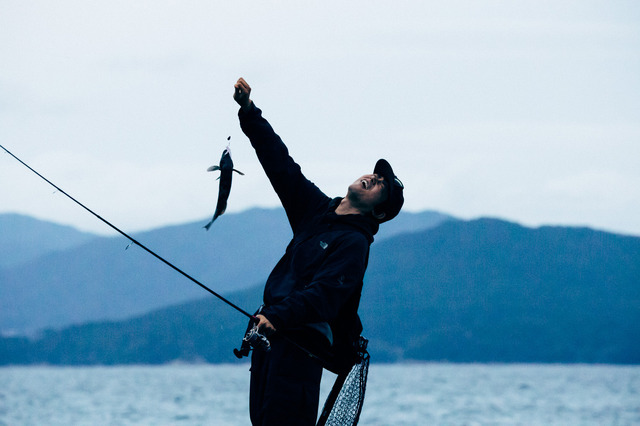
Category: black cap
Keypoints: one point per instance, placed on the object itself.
(392, 205)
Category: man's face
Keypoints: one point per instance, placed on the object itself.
(368, 191)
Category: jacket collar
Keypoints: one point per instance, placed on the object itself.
(366, 224)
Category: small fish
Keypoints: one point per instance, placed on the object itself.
(226, 173)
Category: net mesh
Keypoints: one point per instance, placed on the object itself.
(348, 405)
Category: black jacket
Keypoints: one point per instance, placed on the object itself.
(319, 278)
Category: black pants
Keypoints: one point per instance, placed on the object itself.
(285, 386)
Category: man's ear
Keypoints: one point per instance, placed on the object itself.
(378, 216)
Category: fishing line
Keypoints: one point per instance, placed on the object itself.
(133, 240)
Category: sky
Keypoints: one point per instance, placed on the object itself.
(527, 111)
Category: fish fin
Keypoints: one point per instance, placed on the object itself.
(208, 225)
(213, 168)
(238, 171)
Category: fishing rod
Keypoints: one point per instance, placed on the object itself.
(133, 240)
(253, 338)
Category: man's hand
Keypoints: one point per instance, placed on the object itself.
(265, 326)
(241, 94)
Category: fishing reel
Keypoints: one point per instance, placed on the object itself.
(252, 340)
(257, 340)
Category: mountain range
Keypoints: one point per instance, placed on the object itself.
(441, 289)
(58, 276)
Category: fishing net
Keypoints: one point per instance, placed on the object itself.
(344, 403)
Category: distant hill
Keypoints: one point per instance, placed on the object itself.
(100, 279)
(489, 290)
(23, 239)
(478, 291)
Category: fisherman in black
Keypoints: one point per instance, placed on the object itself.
(312, 294)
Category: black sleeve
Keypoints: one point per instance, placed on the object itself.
(298, 195)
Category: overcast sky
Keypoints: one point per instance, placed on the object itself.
(526, 110)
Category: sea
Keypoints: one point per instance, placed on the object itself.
(397, 394)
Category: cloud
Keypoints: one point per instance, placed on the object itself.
(483, 107)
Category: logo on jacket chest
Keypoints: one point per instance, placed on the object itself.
(323, 245)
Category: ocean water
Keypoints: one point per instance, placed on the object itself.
(398, 394)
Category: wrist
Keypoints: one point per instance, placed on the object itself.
(247, 107)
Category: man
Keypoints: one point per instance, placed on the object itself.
(312, 294)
